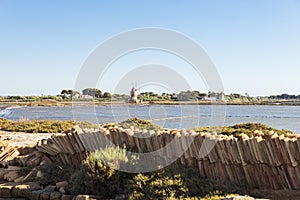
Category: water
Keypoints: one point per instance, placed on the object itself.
(169, 116)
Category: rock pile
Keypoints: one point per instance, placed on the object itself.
(13, 159)
(15, 177)
(265, 161)
(34, 191)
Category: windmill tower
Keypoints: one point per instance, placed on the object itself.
(133, 95)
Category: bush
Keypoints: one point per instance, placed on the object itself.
(179, 182)
(87, 124)
(98, 175)
(105, 160)
(36, 126)
(157, 185)
(139, 123)
(246, 128)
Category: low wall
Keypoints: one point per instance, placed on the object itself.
(266, 161)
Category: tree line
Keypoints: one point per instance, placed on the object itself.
(188, 95)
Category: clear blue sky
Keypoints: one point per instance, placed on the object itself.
(254, 44)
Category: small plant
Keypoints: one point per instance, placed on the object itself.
(157, 185)
(87, 124)
(98, 175)
(139, 123)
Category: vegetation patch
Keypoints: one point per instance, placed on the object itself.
(157, 186)
(98, 176)
(59, 126)
(87, 124)
(249, 129)
(36, 126)
(139, 123)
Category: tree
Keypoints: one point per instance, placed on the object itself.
(64, 92)
(202, 96)
(68, 93)
(186, 96)
(94, 92)
(107, 95)
(196, 93)
(212, 94)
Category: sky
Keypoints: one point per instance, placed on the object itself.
(255, 45)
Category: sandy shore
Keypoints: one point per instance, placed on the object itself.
(23, 139)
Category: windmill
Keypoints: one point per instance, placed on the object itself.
(133, 94)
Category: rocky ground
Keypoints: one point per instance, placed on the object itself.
(16, 155)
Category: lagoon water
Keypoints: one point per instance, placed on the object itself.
(169, 116)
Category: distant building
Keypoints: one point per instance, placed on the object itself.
(210, 99)
(174, 97)
(221, 96)
(202, 96)
(212, 96)
(76, 96)
(81, 96)
(86, 96)
(133, 96)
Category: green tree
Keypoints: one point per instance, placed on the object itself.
(68, 93)
(186, 96)
(196, 93)
(107, 95)
(65, 92)
(94, 92)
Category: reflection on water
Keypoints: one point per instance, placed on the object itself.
(169, 116)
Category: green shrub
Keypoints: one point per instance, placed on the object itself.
(157, 185)
(82, 183)
(105, 160)
(87, 124)
(4, 123)
(36, 126)
(98, 175)
(246, 128)
(179, 182)
(197, 185)
(139, 123)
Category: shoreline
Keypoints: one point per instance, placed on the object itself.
(87, 103)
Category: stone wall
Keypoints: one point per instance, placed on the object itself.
(266, 161)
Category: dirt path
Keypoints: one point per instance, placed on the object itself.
(23, 139)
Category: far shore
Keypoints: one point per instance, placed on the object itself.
(107, 103)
